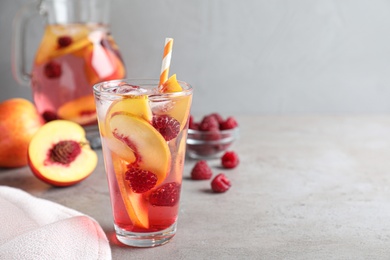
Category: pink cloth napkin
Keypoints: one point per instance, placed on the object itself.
(34, 228)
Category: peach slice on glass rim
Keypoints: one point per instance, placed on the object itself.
(135, 204)
(81, 110)
(171, 85)
(150, 149)
(59, 153)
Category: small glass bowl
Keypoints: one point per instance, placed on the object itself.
(210, 144)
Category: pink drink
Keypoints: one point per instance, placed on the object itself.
(143, 136)
(160, 217)
(70, 60)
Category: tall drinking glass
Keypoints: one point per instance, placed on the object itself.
(143, 134)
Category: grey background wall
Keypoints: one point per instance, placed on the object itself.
(251, 56)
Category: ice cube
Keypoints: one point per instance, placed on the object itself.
(161, 107)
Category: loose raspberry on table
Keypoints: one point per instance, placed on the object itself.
(167, 195)
(140, 180)
(209, 123)
(201, 171)
(230, 160)
(229, 123)
(220, 183)
(52, 70)
(168, 126)
(64, 41)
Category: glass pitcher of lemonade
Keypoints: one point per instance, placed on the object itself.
(76, 52)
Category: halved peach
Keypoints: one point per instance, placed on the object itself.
(136, 206)
(81, 110)
(59, 153)
(149, 147)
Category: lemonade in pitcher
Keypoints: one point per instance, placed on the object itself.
(76, 51)
(70, 60)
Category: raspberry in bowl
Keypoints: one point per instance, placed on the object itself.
(211, 137)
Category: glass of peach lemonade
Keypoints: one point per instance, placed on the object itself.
(143, 131)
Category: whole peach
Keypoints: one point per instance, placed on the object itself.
(19, 120)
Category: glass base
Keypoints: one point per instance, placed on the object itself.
(150, 239)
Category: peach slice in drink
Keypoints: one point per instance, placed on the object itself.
(136, 206)
(151, 153)
(180, 110)
(179, 107)
(81, 110)
(149, 147)
(134, 105)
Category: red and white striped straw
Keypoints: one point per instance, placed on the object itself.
(166, 62)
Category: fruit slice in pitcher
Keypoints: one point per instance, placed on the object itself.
(53, 46)
(150, 149)
(81, 110)
(136, 206)
(102, 64)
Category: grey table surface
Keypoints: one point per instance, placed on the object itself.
(307, 187)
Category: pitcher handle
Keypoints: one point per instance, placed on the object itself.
(18, 53)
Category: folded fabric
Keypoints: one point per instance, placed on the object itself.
(34, 228)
